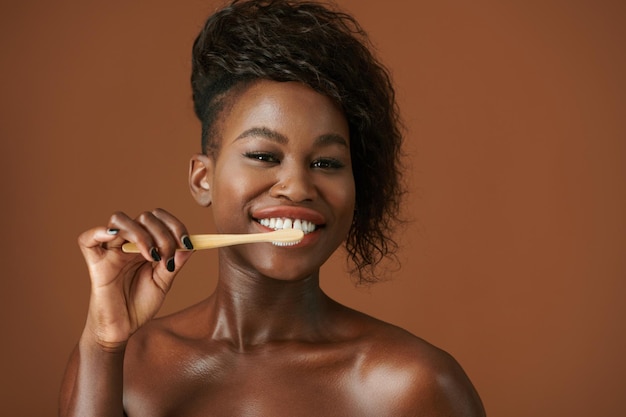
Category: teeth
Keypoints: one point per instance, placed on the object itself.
(279, 223)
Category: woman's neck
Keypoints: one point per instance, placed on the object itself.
(250, 310)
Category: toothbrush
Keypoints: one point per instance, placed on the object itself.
(284, 237)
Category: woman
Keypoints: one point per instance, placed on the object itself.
(299, 129)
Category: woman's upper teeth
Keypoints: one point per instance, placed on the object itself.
(278, 223)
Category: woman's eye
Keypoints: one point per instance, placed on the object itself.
(262, 156)
(327, 163)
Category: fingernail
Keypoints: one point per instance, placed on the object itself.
(187, 242)
(155, 255)
(170, 265)
(113, 231)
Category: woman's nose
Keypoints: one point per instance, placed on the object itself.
(294, 184)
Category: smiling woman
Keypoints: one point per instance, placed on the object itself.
(278, 159)
(300, 130)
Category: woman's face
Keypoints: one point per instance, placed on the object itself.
(283, 161)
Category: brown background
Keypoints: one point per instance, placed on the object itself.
(514, 261)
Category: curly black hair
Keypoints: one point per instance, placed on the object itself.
(326, 49)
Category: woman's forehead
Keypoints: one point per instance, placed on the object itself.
(283, 109)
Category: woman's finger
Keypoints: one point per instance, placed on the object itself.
(128, 230)
(177, 228)
(161, 233)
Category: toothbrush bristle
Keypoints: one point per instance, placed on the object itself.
(287, 243)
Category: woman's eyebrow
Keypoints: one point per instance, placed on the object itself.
(267, 133)
(331, 139)
(264, 132)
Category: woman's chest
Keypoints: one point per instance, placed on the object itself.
(251, 386)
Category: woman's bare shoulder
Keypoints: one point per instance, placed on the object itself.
(180, 330)
(410, 376)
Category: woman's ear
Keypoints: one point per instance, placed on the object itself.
(201, 178)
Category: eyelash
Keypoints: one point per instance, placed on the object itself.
(328, 163)
(321, 163)
(262, 156)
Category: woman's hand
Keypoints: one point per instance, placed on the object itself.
(127, 290)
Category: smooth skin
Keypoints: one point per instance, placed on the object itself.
(268, 341)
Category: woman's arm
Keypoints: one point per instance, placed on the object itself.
(92, 384)
(127, 290)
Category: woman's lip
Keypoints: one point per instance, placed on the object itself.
(291, 212)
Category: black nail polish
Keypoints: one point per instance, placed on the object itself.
(170, 265)
(187, 242)
(113, 231)
(155, 255)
